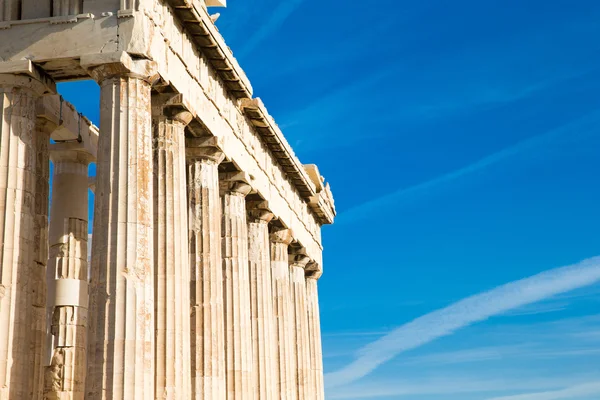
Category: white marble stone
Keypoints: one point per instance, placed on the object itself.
(172, 273)
(207, 302)
(236, 282)
(67, 305)
(264, 345)
(253, 331)
(284, 314)
(314, 327)
(121, 352)
(300, 327)
(23, 151)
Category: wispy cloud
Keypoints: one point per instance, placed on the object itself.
(542, 308)
(455, 386)
(572, 392)
(337, 103)
(468, 311)
(479, 354)
(585, 125)
(525, 352)
(355, 334)
(278, 17)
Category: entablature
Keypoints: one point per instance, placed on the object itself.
(194, 17)
(249, 137)
(73, 130)
(65, 124)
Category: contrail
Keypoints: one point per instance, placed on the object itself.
(473, 309)
(278, 17)
(584, 125)
(568, 393)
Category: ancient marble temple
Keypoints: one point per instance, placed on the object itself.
(206, 247)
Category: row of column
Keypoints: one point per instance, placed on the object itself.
(262, 301)
(193, 291)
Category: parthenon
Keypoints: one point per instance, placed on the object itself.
(206, 247)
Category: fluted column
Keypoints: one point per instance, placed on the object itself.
(23, 196)
(284, 314)
(206, 284)
(264, 346)
(38, 289)
(172, 274)
(121, 356)
(314, 331)
(67, 305)
(298, 263)
(236, 281)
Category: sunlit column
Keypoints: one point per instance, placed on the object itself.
(298, 263)
(121, 357)
(314, 333)
(264, 347)
(284, 314)
(206, 284)
(23, 254)
(236, 281)
(172, 274)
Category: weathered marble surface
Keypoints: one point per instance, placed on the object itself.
(121, 350)
(236, 283)
(314, 334)
(284, 314)
(172, 272)
(67, 278)
(300, 326)
(202, 211)
(23, 253)
(206, 285)
(264, 346)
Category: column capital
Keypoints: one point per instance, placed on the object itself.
(70, 153)
(171, 106)
(314, 275)
(299, 260)
(234, 182)
(285, 236)
(204, 148)
(45, 126)
(25, 74)
(313, 270)
(120, 64)
(179, 116)
(258, 211)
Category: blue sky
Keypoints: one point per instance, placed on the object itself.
(461, 142)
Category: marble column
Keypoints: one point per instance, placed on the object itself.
(298, 263)
(314, 329)
(284, 314)
(236, 282)
(121, 352)
(171, 273)
(38, 289)
(264, 346)
(67, 305)
(206, 282)
(23, 196)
